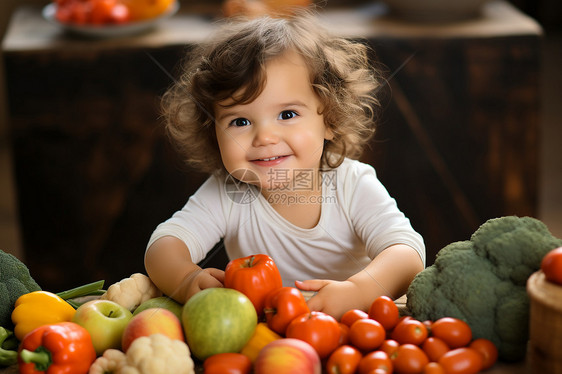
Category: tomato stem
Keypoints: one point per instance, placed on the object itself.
(250, 261)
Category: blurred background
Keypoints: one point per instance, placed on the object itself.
(86, 172)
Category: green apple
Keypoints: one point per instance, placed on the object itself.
(218, 320)
(160, 302)
(105, 320)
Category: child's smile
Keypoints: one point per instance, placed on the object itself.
(282, 130)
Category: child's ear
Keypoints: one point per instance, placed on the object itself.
(328, 133)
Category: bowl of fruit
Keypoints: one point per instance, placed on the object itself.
(109, 18)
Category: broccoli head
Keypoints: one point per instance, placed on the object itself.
(483, 281)
(15, 281)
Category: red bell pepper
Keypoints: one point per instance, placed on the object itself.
(255, 276)
(64, 347)
(283, 305)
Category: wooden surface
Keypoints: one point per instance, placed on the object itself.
(457, 142)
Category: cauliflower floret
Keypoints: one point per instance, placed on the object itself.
(131, 292)
(111, 362)
(156, 354)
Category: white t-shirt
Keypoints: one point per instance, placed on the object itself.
(359, 219)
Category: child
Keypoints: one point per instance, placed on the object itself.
(275, 109)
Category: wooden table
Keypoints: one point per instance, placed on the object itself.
(95, 174)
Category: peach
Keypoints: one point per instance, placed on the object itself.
(288, 356)
(152, 321)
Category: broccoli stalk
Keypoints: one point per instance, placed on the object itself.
(8, 357)
(483, 282)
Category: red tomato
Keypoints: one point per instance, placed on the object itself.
(434, 348)
(390, 346)
(375, 360)
(344, 336)
(101, 11)
(384, 310)
(366, 334)
(462, 361)
(227, 363)
(344, 360)
(410, 359)
(79, 13)
(120, 14)
(551, 265)
(428, 324)
(409, 331)
(353, 315)
(318, 329)
(453, 331)
(281, 306)
(255, 276)
(433, 368)
(487, 349)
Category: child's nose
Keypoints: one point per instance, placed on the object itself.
(265, 134)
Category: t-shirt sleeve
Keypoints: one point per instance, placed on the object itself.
(200, 224)
(375, 215)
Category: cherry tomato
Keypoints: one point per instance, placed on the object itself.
(375, 360)
(551, 265)
(390, 346)
(434, 348)
(462, 361)
(255, 276)
(120, 14)
(319, 329)
(384, 310)
(101, 11)
(344, 360)
(281, 306)
(344, 336)
(227, 363)
(353, 315)
(79, 13)
(453, 331)
(428, 324)
(410, 359)
(487, 349)
(366, 334)
(433, 368)
(409, 331)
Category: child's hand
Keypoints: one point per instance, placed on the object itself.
(332, 297)
(201, 279)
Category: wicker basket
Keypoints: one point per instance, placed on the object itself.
(545, 325)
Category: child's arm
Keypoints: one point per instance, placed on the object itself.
(168, 264)
(390, 273)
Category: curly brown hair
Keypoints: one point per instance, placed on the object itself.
(234, 60)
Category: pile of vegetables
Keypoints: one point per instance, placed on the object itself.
(467, 310)
(483, 281)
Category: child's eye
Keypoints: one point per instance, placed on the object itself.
(240, 122)
(287, 114)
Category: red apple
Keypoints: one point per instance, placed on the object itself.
(152, 321)
(288, 356)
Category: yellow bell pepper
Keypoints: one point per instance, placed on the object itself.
(39, 308)
(262, 336)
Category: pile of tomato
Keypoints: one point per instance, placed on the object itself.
(376, 341)
(381, 341)
(92, 12)
(108, 12)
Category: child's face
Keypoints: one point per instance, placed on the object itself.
(280, 131)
